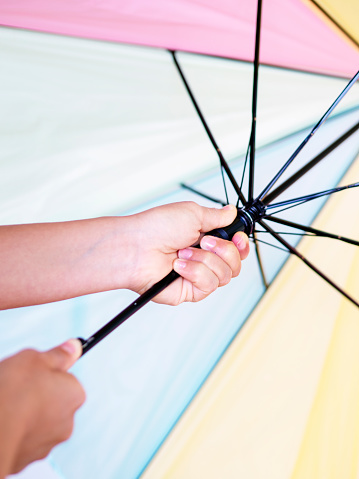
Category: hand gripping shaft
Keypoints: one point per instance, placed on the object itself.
(245, 221)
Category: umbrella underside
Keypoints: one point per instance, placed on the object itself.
(210, 394)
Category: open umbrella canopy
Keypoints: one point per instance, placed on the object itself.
(282, 402)
(295, 34)
(103, 127)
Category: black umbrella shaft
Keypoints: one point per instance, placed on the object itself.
(243, 222)
(135, 306)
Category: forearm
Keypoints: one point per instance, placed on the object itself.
(9, 438)
(47, 262)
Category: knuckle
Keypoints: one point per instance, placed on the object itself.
(44, 452)
(230, 255)
(192, 206)
(28, 353)
(67, 431)
(237, 270)
(212, 285)
(206, 281)
(226, 278)
(81, 395)
(197, 298)
(29, 356)
(196, 212)
(78, 392)
(195, 271)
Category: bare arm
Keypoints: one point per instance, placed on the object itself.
(41, 263)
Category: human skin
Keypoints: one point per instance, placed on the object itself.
(38, 401)
(41, 263)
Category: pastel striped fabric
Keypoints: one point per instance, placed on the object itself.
(95, 121)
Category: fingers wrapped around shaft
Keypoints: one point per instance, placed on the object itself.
(214, 265)
(241, 242)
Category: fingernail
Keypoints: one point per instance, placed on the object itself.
(185, 253)
(70, 346)
(179, 263)
(228, 207)
(209, 242)
(240, 241)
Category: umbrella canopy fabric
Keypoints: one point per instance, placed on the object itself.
(85, 121)
(282, 402)
(344, 14)
(294, 35)
(121, 111)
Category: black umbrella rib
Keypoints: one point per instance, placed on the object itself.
(313, 231)
(223, 162)
(246, 161)
(313, 196)
(332, 19)
(260, 262)
(245, 166)
(288, 233)
(308, 137)
(290, 181)
(294, 251)
(273, 245)
(204, 195)
(252, 140)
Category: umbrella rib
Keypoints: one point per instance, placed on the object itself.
(313, 231)
(285, 209)
(313, 196)
(273, 246)
(286, 232)
(252, 140)
(245, 162)
(335, 23)
(294, 251)
(260, 262)
(224, 185)
(244, 168)
(290, 181)
(223, 162)
(204, 195)
(308, 137)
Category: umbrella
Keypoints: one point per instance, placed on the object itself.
(85, 105)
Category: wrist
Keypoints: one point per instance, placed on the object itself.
(126, 252)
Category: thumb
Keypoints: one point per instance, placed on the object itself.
(64, 356)
(217, 218)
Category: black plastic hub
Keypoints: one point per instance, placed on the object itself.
(247, 216)
(255, 210)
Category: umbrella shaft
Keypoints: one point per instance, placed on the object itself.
(135, 306)
(245, 220)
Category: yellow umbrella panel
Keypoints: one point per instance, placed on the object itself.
(343, 13)
(283, 401)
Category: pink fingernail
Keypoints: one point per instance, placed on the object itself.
(70, 346)
(227, 207)
(180, 263)
(209, 242)
(185, 253)
(240, 242)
